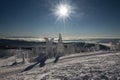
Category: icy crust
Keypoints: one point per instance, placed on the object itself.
(106, 68)
(95, 67)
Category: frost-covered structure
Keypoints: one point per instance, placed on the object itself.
(60, 46)
(115, 46)
(69, 49)
(118, 45)
(97, 46)
(49, 46)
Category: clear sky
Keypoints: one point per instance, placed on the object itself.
(91, 18)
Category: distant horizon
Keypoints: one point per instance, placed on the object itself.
(28, 38)
(63, 36)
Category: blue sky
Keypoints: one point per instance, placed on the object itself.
(92, 18)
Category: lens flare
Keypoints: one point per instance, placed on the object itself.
(63, 11)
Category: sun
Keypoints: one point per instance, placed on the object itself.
(63, 11)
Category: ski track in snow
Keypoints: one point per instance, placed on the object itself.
(78, 66)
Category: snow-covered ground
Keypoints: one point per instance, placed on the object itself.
(82, 66)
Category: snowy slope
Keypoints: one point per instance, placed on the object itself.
(81, 66)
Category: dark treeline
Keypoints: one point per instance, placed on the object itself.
(28, 45)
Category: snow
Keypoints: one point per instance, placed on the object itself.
(83, 66)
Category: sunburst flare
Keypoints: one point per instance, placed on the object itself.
(63, 11)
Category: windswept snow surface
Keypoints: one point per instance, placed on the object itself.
(82, 66)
